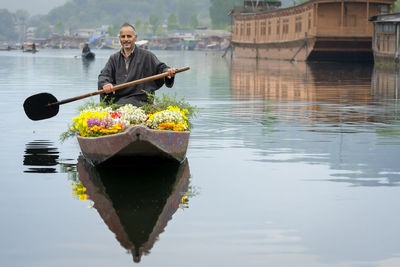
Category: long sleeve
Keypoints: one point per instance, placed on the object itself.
(107, 74)
(142, 64)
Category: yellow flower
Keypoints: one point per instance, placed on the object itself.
(184, 199)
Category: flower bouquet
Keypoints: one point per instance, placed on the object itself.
(99, 119)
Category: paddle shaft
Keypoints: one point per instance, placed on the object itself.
(117, 87)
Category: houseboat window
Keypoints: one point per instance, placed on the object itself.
(378, 42)
(256, 28)
(269, 27)
(383, 9)
(263, 28)
(285, 27)
(278, 26)
(298, 24)
(389, 28)
(379, 27)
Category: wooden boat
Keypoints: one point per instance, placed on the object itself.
(135, 141)
(88, 55)
(31, 47)
(314, 30)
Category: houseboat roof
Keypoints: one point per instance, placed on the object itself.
(273, 6)
(393, 17)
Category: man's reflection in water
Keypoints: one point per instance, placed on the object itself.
(136, 202)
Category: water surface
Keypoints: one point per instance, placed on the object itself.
(289, 164)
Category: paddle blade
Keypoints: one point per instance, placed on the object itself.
(36, 106)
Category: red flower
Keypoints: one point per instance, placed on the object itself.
(116, 114)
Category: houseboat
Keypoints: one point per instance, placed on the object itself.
(386, 37)
(313, 30)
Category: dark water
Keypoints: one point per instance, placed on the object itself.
(288, 165)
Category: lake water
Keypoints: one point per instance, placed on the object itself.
(289, 164)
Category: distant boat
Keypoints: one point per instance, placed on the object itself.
(88, 55)
(113, 43)
(5, 47)
(110, 43)
(31, 47)
(143, 44)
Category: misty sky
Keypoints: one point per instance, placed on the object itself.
(34, 7)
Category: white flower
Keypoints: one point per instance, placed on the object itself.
(132, 115)
(97, 109)
(172, 116)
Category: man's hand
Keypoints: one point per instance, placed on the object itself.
(171, 72)
(108, 88)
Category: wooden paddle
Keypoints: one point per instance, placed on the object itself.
(44, 105)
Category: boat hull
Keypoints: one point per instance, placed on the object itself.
(135, 141)
(293, 50)
(88, 55)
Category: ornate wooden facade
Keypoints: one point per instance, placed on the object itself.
(386, 38)
(314, 30)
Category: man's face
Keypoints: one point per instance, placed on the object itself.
(127, 38)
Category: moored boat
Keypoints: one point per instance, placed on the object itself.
(135, 141)
(313, 30)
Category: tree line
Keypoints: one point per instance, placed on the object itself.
(148, 16)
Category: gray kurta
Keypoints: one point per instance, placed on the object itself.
(142, 64)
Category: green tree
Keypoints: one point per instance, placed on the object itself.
(138, 26)
(185, 9)
(193, 21)
(154, 21)
(172, 22)
(160, 30)
(60, 28)
(219, 11)
(146, 27)
(111, 31)
(396, 6)
(22, 15)
(116, 25)
(7, 32)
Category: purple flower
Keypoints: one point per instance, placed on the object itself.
(107, 122)
(92, 122)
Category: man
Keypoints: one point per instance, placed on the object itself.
(132, 63)
(86, 48)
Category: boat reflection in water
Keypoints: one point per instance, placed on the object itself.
(325, 93)
(284, 80)
(386, 83)
(137, 202)
(327, 113)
